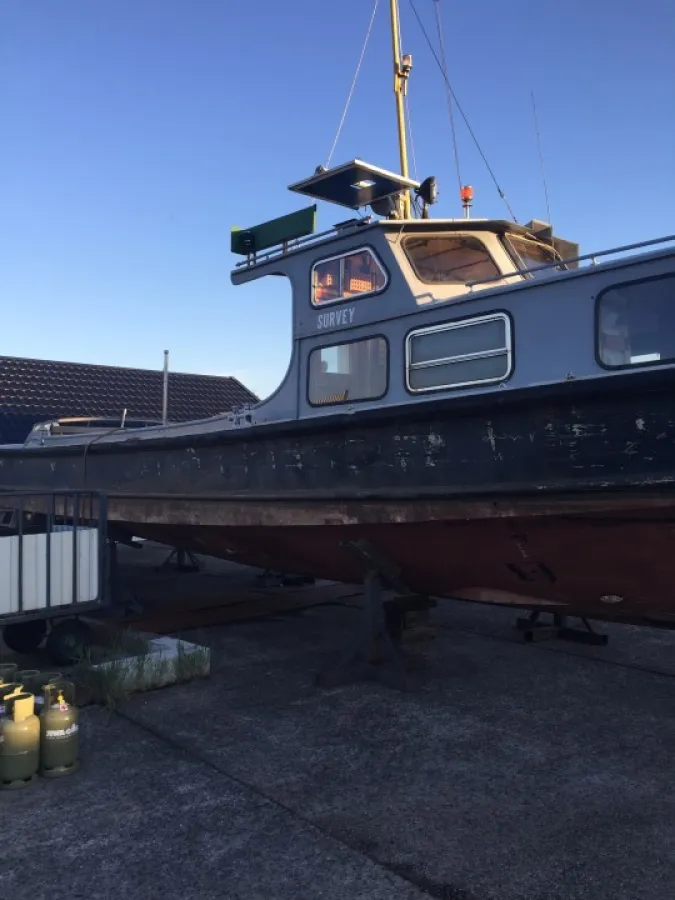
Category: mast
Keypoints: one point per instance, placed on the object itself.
(402, 69)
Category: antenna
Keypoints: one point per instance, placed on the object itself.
(165, 388)
(543, 173)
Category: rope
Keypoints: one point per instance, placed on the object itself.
(439, 29)
(351, 90)
(461, 111)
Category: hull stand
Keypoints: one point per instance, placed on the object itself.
(180, 565)
(534, 630)
(377, 653)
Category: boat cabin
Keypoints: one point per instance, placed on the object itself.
(391, 311)
(367, 281)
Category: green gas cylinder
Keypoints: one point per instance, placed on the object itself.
(19, 741)
(28, 678)
(40, 682)
(59, 731)
(7, 672)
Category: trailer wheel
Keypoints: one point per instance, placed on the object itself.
(24, 637)
(68, 642)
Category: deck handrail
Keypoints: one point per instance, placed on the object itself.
(281, 250)
(561, 262)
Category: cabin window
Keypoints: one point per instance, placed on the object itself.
(636, 323)
(449, 259)
(528, 254)
(457, 354)
(348, 372)
(347, 276)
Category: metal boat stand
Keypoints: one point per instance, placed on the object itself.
(377, 653)
(534, 630)
(180, 564)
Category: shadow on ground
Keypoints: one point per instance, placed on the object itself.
(507, 772)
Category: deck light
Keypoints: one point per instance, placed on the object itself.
(466, 195)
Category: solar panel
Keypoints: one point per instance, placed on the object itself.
(354, 184)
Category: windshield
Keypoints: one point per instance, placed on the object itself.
(449, 259)
(527, 254)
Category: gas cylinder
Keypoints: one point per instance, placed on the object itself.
(59, 731)
(7, 672)
(40, 682)
(28, 678)
(19, 741)
(5, 689)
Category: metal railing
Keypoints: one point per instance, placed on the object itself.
(50, 513)
(563, 262)
(280, 251)
(255, 259)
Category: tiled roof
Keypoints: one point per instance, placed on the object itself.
(32, 390)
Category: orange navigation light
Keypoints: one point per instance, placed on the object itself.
(466, 195)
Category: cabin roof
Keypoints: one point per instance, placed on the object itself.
(268, 262)
(356, 185)
(498, 226)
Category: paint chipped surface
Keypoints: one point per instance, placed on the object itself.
(545, 446)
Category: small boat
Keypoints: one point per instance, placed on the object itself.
(470, 401)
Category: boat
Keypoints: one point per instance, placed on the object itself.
(471, 402)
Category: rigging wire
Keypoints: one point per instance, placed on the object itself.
(461, 112)
(354, 80)
(406, 105)
(439, 29)
(410, 135)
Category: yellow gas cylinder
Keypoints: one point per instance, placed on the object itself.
(19, 741)
(59, 731)
(6, 688)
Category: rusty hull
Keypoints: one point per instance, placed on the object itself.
(603, 556)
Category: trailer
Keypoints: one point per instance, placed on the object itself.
(54, 567)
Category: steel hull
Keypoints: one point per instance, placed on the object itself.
(560, 498)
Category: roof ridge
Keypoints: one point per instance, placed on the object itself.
(86, 365)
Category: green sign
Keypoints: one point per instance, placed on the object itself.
(286, 228)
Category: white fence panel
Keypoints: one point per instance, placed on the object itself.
(35, 570)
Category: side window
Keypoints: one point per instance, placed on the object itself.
(459, 353)
(528, 254)
(636, 323)
(346, 276)
(343, 373)
(449, 259)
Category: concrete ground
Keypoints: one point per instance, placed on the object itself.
(507, 772)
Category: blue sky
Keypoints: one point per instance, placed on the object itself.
(135, 133)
